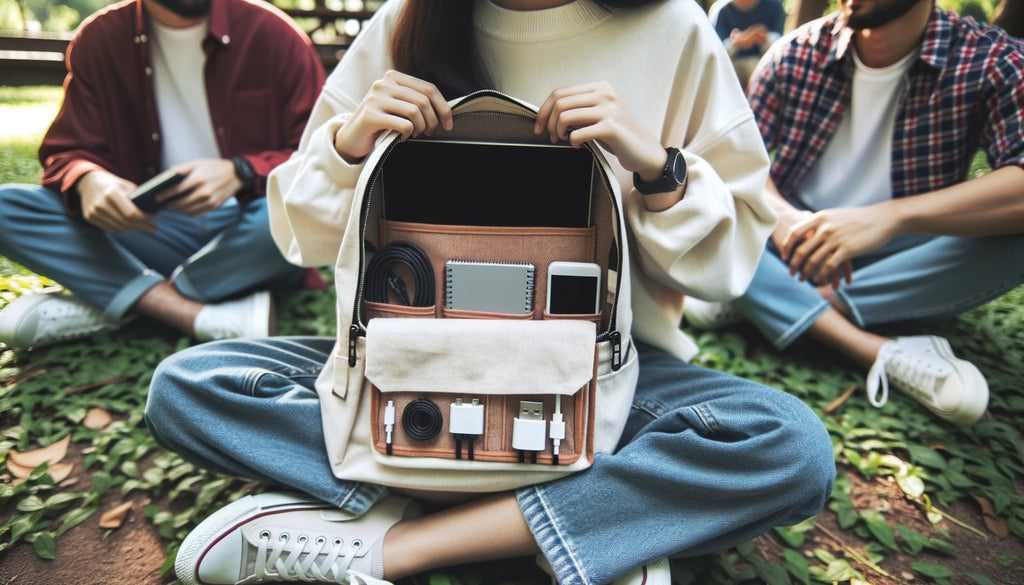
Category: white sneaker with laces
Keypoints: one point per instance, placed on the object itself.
(655, 573)
(249, 316)
(275, 537)
(706, 316)
(42, 319)
(925, 367)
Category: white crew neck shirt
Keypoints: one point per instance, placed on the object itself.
(178, 68)
(856, 167)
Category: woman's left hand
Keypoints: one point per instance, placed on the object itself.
(593, 111)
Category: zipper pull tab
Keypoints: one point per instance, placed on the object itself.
(353, 334)
(616, 351)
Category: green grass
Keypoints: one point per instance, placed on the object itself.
(46, 394)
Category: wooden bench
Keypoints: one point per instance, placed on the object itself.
(38, 58)
(32, 58)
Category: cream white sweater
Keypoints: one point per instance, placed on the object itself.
(665, 61)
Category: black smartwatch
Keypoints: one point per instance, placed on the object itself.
(244, 172)
(673, 176)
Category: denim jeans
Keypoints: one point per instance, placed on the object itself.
(208, 258)
(707, 460)
(913, 277)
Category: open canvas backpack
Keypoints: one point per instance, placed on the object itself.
(453, 393)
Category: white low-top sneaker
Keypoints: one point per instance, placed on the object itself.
(658, 572)
(250, 316)
(925, 367)
(706, 316)
(281, 537)
(42, 319)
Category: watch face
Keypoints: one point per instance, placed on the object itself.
(679, 168)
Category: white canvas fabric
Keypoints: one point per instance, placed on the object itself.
(560, 353)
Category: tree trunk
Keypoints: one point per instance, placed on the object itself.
(804, 11)
(1010, 16)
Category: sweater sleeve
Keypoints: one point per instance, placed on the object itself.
(710, 242)
(310, 195)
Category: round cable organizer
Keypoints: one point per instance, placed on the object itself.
(422, 419)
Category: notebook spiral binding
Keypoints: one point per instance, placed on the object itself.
(500, 287)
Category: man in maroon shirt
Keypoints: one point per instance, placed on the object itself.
(217, 91)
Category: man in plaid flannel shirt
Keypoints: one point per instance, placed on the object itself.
(874, 115)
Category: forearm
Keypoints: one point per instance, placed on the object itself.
(782, 207)
(990, 205)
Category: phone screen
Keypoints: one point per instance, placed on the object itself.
(572, 295)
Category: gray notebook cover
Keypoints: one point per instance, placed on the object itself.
(495, 287)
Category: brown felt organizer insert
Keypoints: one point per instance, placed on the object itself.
(496, 442)
(539, 246)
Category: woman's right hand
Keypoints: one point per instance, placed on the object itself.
(399, 102)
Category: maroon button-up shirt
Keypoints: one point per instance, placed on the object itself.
(262, 78)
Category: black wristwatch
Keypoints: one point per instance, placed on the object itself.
(673, 176)
(244, 172)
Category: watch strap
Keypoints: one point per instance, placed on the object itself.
(669, 179)
(244, 172)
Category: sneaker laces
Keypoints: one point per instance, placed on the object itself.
(287, 560)
(917, 373)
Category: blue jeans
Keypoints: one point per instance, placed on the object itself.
(208, 258)
(707, 460)
(913, 277)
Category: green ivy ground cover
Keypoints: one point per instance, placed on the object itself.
(936, 470)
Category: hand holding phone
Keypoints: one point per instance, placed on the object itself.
(144, 196)
(574, 288)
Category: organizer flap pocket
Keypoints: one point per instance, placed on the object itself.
(475, 356)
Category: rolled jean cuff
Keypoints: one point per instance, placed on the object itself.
(131, 293)
(535, 511)
(360, 498)
(801, 325)
(852, 311)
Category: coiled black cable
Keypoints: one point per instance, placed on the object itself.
(422, 419)
(381, 277)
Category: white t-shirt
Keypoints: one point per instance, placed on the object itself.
(178, 64)
(855, 169)
(684, 93)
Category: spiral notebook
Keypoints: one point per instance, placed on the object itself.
(495, 287)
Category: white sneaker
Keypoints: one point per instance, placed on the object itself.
(245, 317)
(276, 537)
(656, 573)
(704, 316)
(42, 319)
(925, 367)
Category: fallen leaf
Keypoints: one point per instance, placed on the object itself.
(60, 471)
(115, 518)
(18, 471)
(993, 522)
(33, 459)
(97, 418)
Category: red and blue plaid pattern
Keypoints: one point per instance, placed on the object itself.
(964, 93)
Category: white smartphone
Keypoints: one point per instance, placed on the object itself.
(574, 288)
